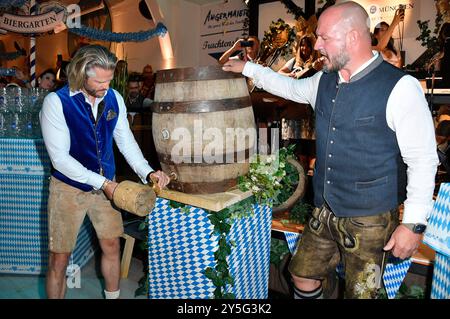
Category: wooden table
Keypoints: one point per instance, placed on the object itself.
(214, 202)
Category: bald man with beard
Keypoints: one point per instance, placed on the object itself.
(375, 150)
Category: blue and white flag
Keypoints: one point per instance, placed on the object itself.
(292, 239)
(394, 274)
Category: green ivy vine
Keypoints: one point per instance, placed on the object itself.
(405, 292)
(143, 282)
(222, 221)
(267, 179)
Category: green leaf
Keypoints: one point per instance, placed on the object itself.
(229, 280)
(222, 268)
(218, 293)
(218, 282)
(220, 255)
(143, 279)
(140, 291)
(403, 289)
(416, 292)
(142, 226)
(143, 245)
(210, 273)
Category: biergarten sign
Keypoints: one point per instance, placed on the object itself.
(47, 20)
(31, 24)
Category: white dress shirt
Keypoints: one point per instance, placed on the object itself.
(57, 141)
(407, 114)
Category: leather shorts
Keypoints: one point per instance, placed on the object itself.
(355, 241)
(67, 208)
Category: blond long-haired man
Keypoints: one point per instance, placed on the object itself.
(79, 123)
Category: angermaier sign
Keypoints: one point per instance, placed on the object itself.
(31, 24)
(221, 25)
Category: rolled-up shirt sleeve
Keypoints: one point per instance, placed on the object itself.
(57, 141)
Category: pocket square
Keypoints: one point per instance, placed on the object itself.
(111, 114)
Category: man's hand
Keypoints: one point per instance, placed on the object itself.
(109, 189)
(403, 242)
(234, 65)
(160, 177)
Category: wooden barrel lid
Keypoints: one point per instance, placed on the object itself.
(203, 73)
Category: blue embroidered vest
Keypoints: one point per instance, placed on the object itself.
(359, 171)
(91, 143)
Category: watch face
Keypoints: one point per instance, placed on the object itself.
(419, 228)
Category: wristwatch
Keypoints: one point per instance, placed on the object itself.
(105, 184)
(415, 228)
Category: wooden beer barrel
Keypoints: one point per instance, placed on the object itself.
(203, 128)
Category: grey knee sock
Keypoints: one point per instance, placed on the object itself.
(315, 294)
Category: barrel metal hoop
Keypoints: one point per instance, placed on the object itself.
(200, 161)
(205, 73)
(207, 106)
(203, 187)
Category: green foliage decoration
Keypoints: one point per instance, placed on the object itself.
(275, 28)
(278, 249)
(268, 176)
(427, 39)
(265, 180)
(405, 292)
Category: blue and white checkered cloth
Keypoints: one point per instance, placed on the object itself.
(440, 286)
(437, 236)
(24, 172)
(181, 247)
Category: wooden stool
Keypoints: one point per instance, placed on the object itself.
(126, 255)
(131, 232)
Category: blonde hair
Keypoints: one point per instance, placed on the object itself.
(84, 60)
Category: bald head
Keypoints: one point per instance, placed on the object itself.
(344, 37)
(349, 15)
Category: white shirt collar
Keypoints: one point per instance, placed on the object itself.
(86, 97)
(362, 67)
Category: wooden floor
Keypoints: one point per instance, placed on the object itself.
(33, 287)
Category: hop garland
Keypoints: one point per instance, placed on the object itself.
(12, 3)
(140, 36)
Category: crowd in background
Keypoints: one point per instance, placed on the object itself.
(139, 91)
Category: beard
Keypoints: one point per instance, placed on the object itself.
(337, 62)
(94, 93)
(133, 95)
